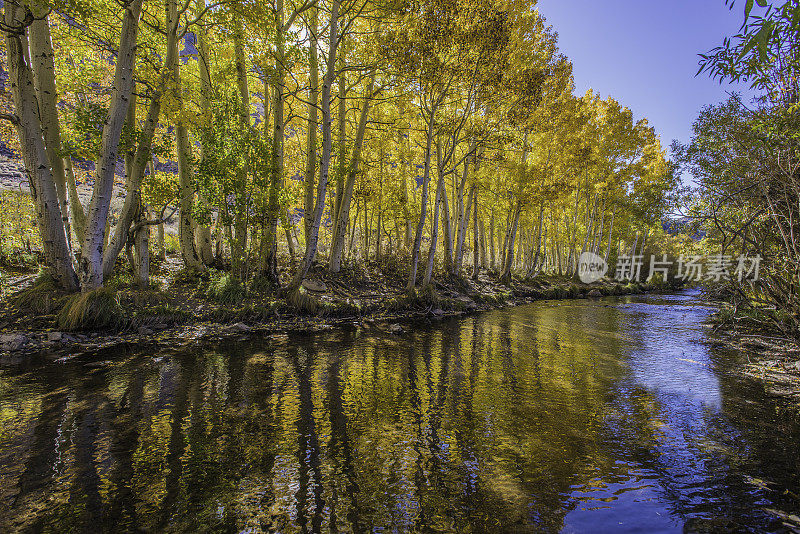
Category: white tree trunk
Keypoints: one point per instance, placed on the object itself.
(91, 264)
(44, 79)
(29, 130)
(312, 239)
(343, 216)
(426, 178)
(311, 139)
(186, 226)
(75, 206)
(434, 232)
(141, 158)
(202, 233)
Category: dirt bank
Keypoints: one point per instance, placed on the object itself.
(188, 310)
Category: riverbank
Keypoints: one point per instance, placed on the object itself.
(564, 403)
(772, 358)
(184, 310)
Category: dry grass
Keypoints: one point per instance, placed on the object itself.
(94, 309)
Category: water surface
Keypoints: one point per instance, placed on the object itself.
(574, 416)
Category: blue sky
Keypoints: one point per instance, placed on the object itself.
(644, 54)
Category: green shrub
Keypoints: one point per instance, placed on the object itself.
(262, 284)
(94, 309)
(192, 277)
(171, 243)
(226, 289)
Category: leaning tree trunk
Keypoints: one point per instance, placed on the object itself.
(37, 165)
(75, 206)
(41, 49)
(91, 263)
(434, 232)
(463, 212)
(341, 113)
(343, 216)
(426, 178)
(141, 158)
(312, 239)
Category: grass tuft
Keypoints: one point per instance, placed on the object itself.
(301, 301)
(43, 296)
(190, 277)
(416, 299)
(94, 309)
(262, 284)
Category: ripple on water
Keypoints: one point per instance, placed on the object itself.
(586, 416)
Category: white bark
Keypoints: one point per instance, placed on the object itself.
(202, 233)
(434, 232)
(311, 139)
(75, 206)
(29, 130)
(44, 79)
(426, 178)
(91, 264)
(141, 160)
(343, 215)
(186, 226)
(610, 233)
(312, 239)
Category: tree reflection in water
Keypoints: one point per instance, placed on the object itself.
(547, 417)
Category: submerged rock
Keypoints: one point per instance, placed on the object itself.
(238, 328)
(10, 342)
(467, 302)
(704, 525)
(54, 336)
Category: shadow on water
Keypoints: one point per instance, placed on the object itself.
(573, 416)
